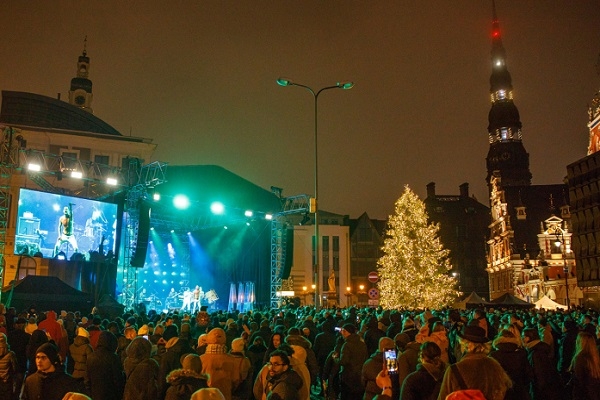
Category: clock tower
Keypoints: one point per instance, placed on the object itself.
(507, 156)
(80, 94)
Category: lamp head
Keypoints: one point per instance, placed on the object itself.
(283, 81)
(345, 85)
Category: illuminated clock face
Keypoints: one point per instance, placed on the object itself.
(80, 100)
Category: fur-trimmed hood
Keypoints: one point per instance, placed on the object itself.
(184, 374)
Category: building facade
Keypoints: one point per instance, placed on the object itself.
(463, 230)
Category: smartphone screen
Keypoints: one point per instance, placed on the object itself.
(389, 356)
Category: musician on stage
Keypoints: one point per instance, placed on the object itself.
(198, 294)
(65, 230)
(171, 300)
(187, 300)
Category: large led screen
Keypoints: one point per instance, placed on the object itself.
(50, 224)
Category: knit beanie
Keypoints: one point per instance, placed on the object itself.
(51, 351)
(192, 362)
(237, 345)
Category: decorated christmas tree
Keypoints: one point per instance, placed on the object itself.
(413, 271)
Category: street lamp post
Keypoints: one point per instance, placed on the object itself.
(560, 241)
(340, 85)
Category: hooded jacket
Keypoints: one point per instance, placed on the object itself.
(51, 326)
(105, 371)
(424, 383)
(311, 359)
(79, 352)
(183, 383)
(141, 372)
(513, 358)
(285, 386)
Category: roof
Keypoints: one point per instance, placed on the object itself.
(205, 184)
(29, 109)
(509, 300)
(46, 293)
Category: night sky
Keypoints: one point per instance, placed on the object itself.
(198, 77)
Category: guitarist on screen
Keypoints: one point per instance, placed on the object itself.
(65, 230)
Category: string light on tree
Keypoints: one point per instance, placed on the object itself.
(414, 269)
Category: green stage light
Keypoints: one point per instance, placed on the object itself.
(181, 202)
(217, 208)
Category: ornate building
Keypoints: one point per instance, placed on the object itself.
(529, 243)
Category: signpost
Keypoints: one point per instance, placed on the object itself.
(373, 277)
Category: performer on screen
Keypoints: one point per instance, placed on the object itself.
(65, 230)
(198, 294)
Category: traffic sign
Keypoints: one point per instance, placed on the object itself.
(374, 293)
(373, 276)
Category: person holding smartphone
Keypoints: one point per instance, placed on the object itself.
(375, 364)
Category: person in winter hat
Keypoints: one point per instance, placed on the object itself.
(49, 382)
(219, 365)
(79, 352)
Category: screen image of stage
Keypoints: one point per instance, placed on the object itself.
(48, 224)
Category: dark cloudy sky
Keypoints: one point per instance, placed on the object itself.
(198, 77)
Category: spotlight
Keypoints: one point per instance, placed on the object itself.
(34, 167)
(76, 174)
(111, 181)
(181, 202)
(248, 213)
(156, 196)
(217, 208)
(268, 217)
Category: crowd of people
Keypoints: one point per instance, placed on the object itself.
(300, 353)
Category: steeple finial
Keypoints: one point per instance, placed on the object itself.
(85, 45)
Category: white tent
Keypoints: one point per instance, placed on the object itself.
(548, 304)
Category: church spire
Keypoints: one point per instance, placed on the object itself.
(80, 94)
(506, 154)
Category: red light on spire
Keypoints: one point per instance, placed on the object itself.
(496, 33)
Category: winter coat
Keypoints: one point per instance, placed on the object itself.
(141, 372)
(352, 357)
(443, 343)
(220, 368)
(183, 383)
(52, 386)
(513, 358)
(105, 371)
(566, 349)
(324, 342)
(479, 372)
(286, 386)
(79, 353)
(546, 383)
(424, 383)
(243, 368)
(408, 360)
(171, 360)
(17, 340)
(370, 369)
(298, 364)
(311, 359)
